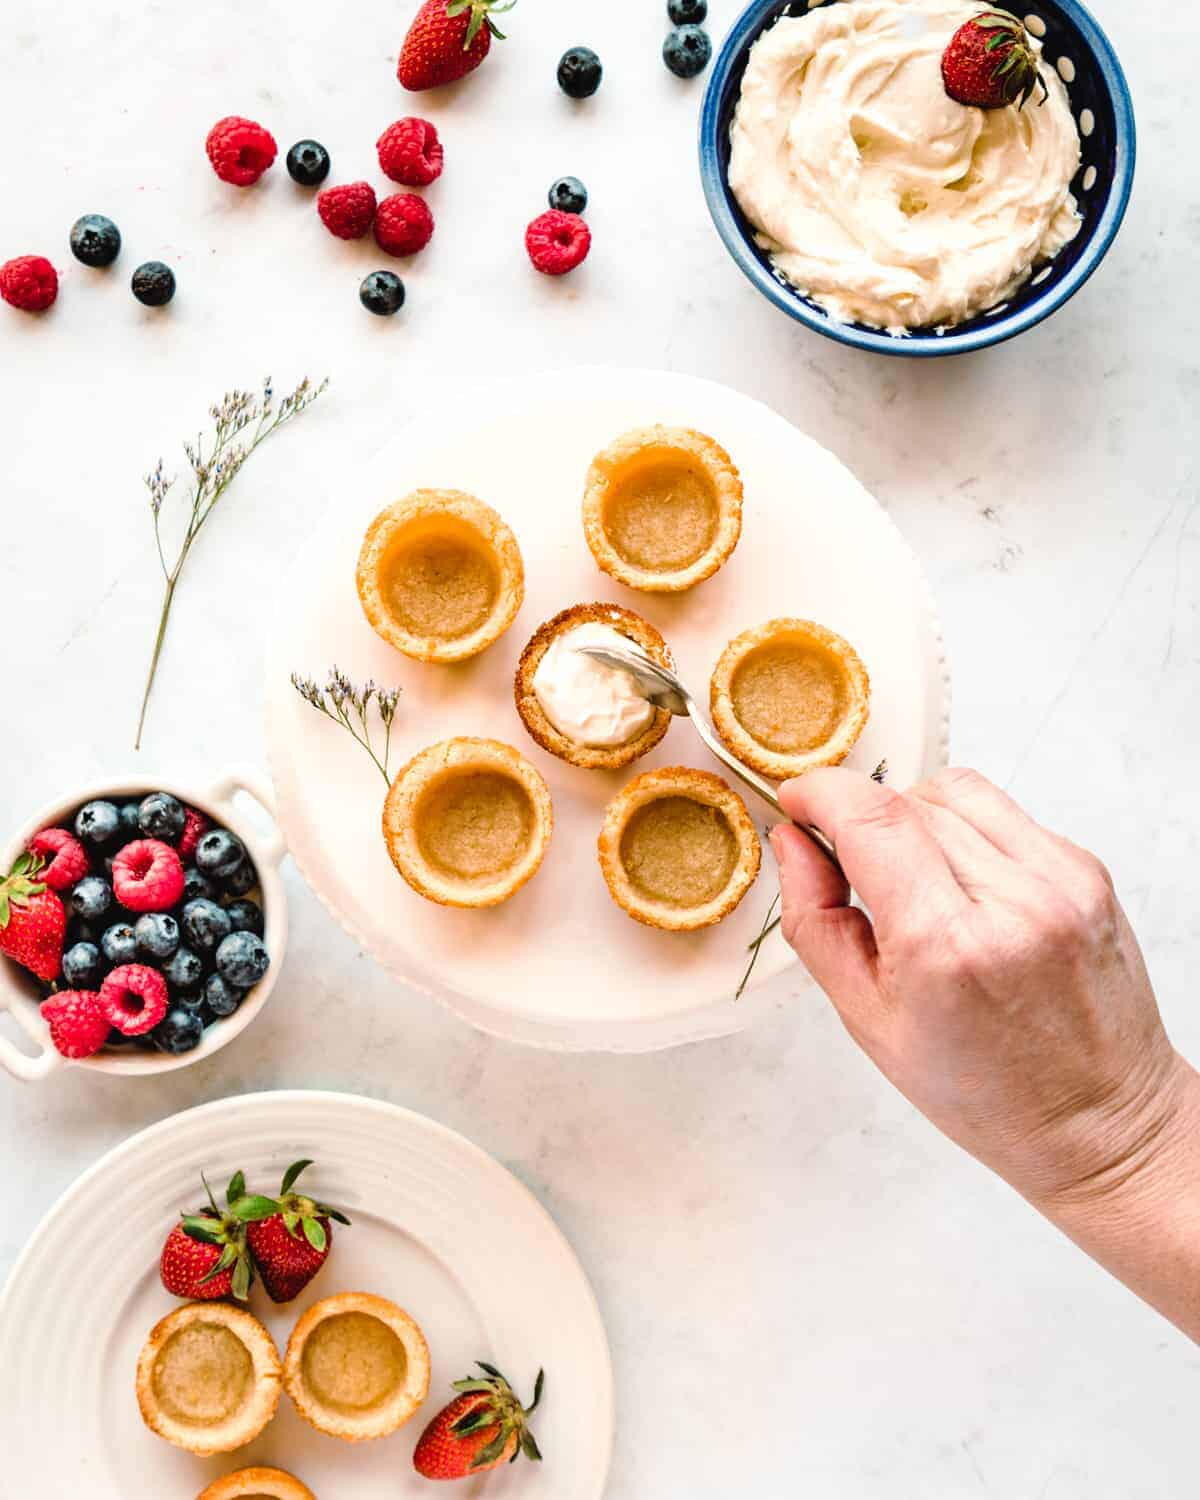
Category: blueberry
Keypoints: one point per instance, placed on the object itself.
(221, 997)
(219, 853)
(568, 195)
(242, 880)
(92, 898)
(579, 73)
(205, 924)
(153, 283)
(308, 163)
(119, 1039)
(95, 240)
(246, 916)
(687, 50)
(97, 822)
(197, 887)
(180, 1030)
(82, 966)
(382, 293)
(79, 931)
(687, 12)
(242, 959)
(161, 816)
(118, 943)
(184, 970)
(129, 828)
(157, 934)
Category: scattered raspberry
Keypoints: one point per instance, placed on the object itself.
(410, 152)
(558, 242)
(240, 150)
(147, 875)
(195, 826)
(30, 282)
(66, 859)
(347, 211)
(78, 1025)
(133, 998)
(403, 224)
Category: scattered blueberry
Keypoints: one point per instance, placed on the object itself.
(153, 283)
(183, 970)
(206, 924)
(308, 163)
(118, 943)
(91, 898)
(180, 1030)
(579, 72)
(82, 966)
(161, 816)
(687, 50)
(246, 916)
(242, 959)
(97, 822)
(687, 12)
(568, 195)
(221, 997)
(157, 934)
(95, 240)
(219, 853)
(382, 293)
(241, 881)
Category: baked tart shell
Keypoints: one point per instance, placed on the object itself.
(357, 1367)
(662, 510)
(533, 716)
(440, 576)
(467, 822)
(208, 1378)
(678, 849)
(272, 1482)
(789, 696)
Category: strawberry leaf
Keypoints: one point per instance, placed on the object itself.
(241, 1279)
(538, 1386)
(314, 1233)
(493, 1450)
(236, 1188)
(529, 1447)
(289, 1177)
(335, 1214)
(481, 1416)
(202, 1229)
(253, 1208)
(490, 1370)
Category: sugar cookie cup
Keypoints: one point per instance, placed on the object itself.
(678, 849)
(467, 822)
(208, 1378)
(440, 576)
(356, 1367)
(257, 1484)
(533, 715)
(662, 510)
(789, 696)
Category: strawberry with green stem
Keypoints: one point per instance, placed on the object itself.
(206, 1257)
(292, 1242)
(483, 1427)
(447, 40)
(991, 62)
(33, 920)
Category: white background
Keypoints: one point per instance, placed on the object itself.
(808, 1291)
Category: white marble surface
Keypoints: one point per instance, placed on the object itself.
(808, 1291)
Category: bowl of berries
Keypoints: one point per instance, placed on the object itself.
(142, 927)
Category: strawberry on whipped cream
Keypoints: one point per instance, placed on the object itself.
(875, 193)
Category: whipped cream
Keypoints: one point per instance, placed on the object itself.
(878, 195)
(586, 701)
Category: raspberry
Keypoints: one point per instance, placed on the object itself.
(410, 152)
(347, 211)
(78, 1024)
(240, 150)
(147, 875)
(30, 282)
(403, 224)
(557, 242)
(195, 826)
(134, 999)
(67, 861)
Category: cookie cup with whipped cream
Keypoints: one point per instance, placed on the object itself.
(577, 708)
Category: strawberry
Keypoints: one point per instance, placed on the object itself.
(991, 62)
(447, 40)
(483, 1427)
(291, 1244)
(205, 1258)
(32, 919)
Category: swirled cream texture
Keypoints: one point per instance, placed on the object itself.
(878, 195)
(588, 702)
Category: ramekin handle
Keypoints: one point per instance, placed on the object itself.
(30, 1069)
(272, 847)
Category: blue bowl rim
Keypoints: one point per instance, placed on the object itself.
(745, 29)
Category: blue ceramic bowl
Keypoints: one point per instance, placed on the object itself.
(1084, 57)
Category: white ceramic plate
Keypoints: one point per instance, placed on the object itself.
(560, 964)
(438, 1227)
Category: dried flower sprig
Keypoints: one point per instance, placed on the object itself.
(339, 700)
(240, 423)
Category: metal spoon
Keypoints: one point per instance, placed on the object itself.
(660, 686)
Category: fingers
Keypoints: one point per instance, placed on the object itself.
(890, 857)
(978, 866)
(833, 939)
(993, 813)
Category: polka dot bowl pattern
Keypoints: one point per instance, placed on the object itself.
(1081, 53)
